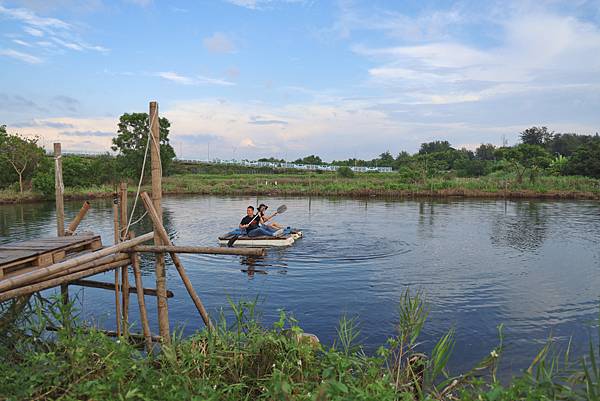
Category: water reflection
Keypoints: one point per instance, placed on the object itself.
(523, 226)
(249, 264)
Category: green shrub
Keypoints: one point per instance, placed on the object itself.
(345, 172)
(43, 182)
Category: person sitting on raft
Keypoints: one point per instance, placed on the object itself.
(262, 209)
(250, 223)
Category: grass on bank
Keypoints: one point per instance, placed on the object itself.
(244, 361)
(330, 184)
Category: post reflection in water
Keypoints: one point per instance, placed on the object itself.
(249, 265)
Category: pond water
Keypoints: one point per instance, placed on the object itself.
(531, 265)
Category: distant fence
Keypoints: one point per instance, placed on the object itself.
(285, 165)
(248, 163)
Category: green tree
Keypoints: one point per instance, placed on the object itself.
(485, 152)
(7, 173)
(385, 159)
(21, 154)
(271, 159)
(585, 161)
(435, 146)
(133, 134)
(312, 159)
(567, 144)
(536, 136)
(525, 157)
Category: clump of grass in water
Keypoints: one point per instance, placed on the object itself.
(241, 360)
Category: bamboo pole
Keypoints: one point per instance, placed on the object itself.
(135, 263)
(60, 208)
(43, 272)
(124, 269)
(117, 257)
(176, 261)
(31, 288)
(161, 280)
(116, 231)
(198, 249)
(110, 286)
(75, 223)
(58, 190)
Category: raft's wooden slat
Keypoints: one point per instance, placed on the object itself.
(43, 252)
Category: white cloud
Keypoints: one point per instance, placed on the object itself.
(17, 55)
(258, 4)
(22, 43)
(244, 3)
(75, 134)
(532, 50)
(219, 43)
(55, 30)
(173, 76)
(141, 3)
(33, 31)
(31, 19)
(195, 80)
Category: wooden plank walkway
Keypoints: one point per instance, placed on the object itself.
(43, 252)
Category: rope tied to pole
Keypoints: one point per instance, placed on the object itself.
(139, 186)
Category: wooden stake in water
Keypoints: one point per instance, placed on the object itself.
(124, 269)
(135, 263)
(117, 240)
(161, 280)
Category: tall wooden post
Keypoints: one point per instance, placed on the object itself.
(60, 208)
(58, 190)
(161, 281)
(124, 269)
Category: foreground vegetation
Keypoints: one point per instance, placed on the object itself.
(244, 361)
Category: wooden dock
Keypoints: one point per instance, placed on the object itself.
(19, 257)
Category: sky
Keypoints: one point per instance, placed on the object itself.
(290, 78)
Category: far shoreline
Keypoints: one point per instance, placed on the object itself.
(31, 198)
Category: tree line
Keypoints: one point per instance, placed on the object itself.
(24, 164)
(540, 152)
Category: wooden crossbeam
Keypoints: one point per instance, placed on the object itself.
(111, 286)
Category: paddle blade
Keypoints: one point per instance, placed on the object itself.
(281, 209)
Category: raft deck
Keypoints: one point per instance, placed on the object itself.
(42, 252)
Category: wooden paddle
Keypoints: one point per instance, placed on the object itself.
(281, 209)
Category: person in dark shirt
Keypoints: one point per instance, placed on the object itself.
(251, 223)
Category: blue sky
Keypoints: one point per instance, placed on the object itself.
(288, 78)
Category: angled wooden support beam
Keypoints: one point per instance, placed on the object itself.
(75, 223)
(162, 233)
